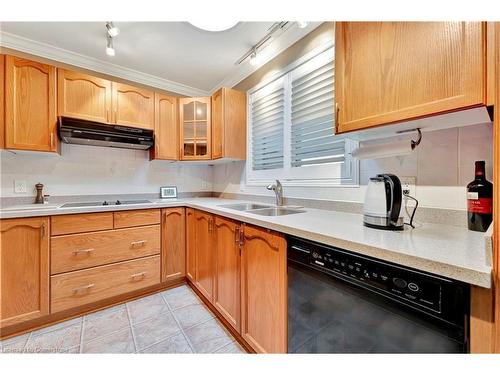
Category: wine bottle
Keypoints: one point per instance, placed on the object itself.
(479, 200)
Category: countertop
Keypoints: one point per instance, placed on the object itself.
(444, 250)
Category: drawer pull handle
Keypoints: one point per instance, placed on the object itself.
(82, 288)
(137, 275)
(83, 251)
(138, 243)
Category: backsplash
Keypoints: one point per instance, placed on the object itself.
(443, 164)
(87, 170)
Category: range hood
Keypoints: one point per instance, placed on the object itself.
(83, 132)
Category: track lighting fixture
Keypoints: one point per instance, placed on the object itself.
(302, 24)
(255, 58)
(110, 50)
(112, 29)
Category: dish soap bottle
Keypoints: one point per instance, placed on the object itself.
(479, 200)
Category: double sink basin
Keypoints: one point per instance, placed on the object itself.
(261, 209)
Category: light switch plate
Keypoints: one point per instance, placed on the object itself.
(408, 185)
(20, 186)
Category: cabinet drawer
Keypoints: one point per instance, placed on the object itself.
(78, 288)
(135, 218)
(77, 251)
(68, 224)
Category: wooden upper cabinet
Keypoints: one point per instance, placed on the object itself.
(264, 290)
(491, 77)
(387, 72)
(190, 245)
(195, 128)
(229, 124)
(173, 244)
(166, 128)
(205, 259)
(132, 106)
(227, 272)
(2, 101)
(30, 105)
(83, 96)
(24, 270)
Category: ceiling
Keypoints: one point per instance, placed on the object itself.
(175, 56)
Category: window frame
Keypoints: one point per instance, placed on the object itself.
(347, 172)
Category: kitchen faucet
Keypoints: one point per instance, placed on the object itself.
(278, 191)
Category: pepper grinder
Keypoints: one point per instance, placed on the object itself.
(39, 193)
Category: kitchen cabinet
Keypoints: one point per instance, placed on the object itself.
(195, 128)
(190, 245)
(24, 267)
(387, 72)
(229, 124)
(263, 290)
(173, 244)
(83, 96)
(166, 128)
(132, 106)
(30, 105)
(205, 258)
(2, 101)
(491, 47)
(227, 270)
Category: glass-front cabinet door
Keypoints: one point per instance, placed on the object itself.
(195, 126)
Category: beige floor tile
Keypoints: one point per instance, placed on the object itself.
(151, 331)
(55, 341)
(208, 337)
(105, 322)
(118, 342)
(191, 315)
(14, 344)
(180, 297)
(146, 308)
(231, 348)
(57, 326)
(174, 344)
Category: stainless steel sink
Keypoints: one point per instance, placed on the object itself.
(244, 206)
(275, 211)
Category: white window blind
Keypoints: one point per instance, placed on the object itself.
(291, 128)
(267, 127)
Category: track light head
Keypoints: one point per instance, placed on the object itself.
(112, 29)
(302, 24)
(110, 50)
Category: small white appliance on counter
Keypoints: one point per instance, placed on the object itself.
(383, 203)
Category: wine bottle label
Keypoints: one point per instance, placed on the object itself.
(472, 195)
(480, 205)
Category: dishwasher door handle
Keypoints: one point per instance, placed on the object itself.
(300, 249)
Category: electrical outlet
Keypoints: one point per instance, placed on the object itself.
(20, 186)
(408, 185)
(204, 185)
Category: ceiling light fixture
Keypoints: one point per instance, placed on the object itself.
(112, 29)
(302, 24)
(255, 58)
(214, 26)
(110, 50)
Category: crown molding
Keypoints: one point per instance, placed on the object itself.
(285, 40)
(48, 51)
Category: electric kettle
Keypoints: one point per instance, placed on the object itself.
(383, 203)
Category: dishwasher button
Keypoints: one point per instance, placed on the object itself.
(413, 287)
(400, 283)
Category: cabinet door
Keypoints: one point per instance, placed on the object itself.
(227, 270)
(83, 96)
(195, 128)
(24, 267)
(133, 106)
(166, 128)
(205, 258)
(218, 124)
(2, 101)
(190, 245)
(264, 290)
(173, 244)
(30, 105)
(393, 71)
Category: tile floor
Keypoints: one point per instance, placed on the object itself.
(174, 321)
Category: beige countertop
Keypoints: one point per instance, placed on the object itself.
(444, 250)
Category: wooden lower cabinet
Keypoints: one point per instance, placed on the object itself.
(190, 245)
(24, 268)
(173, 244)
(78, 288)
(205, 259)
(227, 270)
(264, 290)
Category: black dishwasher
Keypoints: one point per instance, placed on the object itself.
(341, 302)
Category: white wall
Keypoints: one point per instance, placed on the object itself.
(82, 170)
(443, 164)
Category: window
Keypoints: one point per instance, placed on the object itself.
(291, 128)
